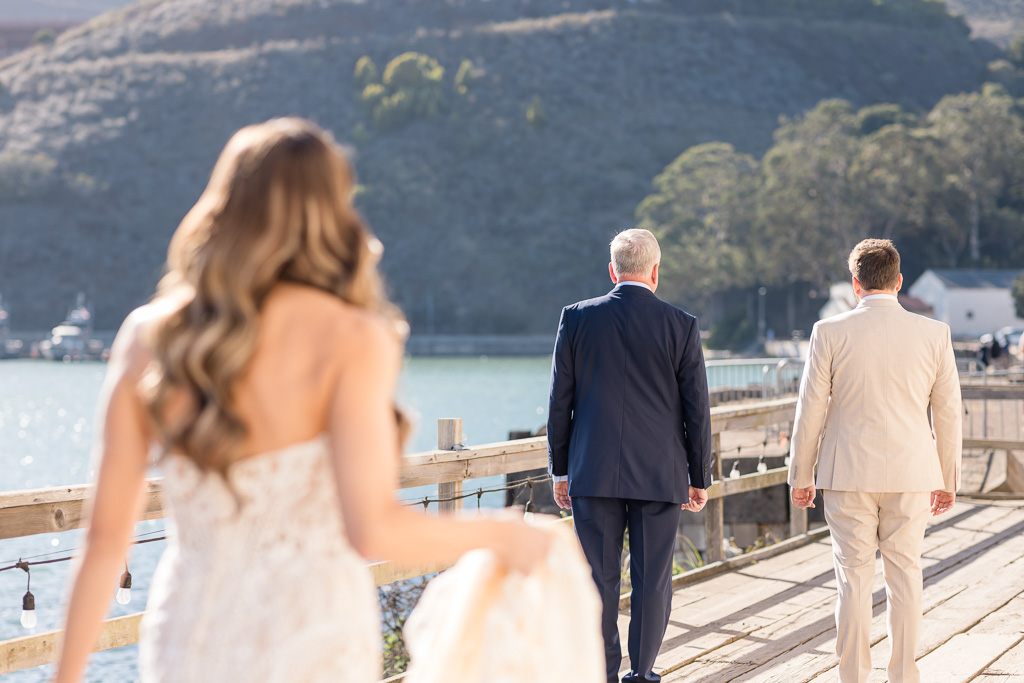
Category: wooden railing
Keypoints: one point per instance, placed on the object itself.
(24, 513)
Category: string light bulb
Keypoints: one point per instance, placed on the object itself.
(28, 603)
(735, 472)
(124, 593)
(28, 610)
(528, 514)
(762, 466)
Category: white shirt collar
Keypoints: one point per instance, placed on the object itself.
(635, 283)
(871, 297)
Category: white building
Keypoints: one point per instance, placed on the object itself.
(971, 302)
(842, 299)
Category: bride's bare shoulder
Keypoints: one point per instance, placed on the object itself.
(309, 311)
(133, 346)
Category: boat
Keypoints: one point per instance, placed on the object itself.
(72, 339)
(9, 348)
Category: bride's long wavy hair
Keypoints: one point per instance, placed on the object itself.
(277, 209)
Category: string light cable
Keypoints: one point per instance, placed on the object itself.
(528, 482)
(28, 601)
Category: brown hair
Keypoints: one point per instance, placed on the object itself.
(277, 209)
(876, 264)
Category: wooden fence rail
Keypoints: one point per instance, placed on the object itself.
(25, 513)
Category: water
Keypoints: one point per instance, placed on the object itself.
(46, 430)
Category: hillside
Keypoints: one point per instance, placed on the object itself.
(56, 10)
(491, 223)
(995, 20)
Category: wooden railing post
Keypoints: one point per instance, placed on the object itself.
(797, 520)
(714, 515)
(449, 435)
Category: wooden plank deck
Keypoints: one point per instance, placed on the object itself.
(773, 621)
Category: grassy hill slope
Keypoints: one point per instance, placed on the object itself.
(490, 223)
(995, 20)
(56, 10)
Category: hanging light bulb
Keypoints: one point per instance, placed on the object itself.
(124, 593)
(28, 610)
(734, 473)
(762, 466)
(28, 603)
(786, 461)
(528, 514)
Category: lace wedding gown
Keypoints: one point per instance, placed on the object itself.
(480, 623)
(259, 584)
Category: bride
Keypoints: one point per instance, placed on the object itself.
(263, 371)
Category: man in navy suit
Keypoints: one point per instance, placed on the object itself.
(629, 440)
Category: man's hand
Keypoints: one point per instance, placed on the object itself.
(698, 497)
(804, 498)
(562, 495)
(942, 501)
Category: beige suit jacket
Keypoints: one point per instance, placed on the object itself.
(879, 408)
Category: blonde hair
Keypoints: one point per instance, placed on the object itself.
(277, 209)
(634, 252)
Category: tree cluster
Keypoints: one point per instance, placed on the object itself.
(947, 186)
(412, 87)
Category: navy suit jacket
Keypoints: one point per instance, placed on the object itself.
(628, 413)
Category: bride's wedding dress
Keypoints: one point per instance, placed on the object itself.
(258, 582)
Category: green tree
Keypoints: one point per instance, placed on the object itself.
(420, 78)
(948, 187)
(805, 204)
(44, 36)
(463, 77)
(365, 72)
(1015, 52)
(875, 117)
(701, 212)
(892, 177)
(411, 87)
(983, 161)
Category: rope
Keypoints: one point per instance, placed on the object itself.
(23, 565)
(529, 481)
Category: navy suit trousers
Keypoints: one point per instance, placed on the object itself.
(601, 524)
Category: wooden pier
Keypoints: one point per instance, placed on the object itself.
(761, 616)
(773, 620)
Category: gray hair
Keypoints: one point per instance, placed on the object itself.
(634, 252)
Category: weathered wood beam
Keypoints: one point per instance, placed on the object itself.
(992, 391)
(994, 444)
(748, 482)
(59, 509)
(714, 509)
(44, 648)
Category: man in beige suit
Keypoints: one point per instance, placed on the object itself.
(879, 417)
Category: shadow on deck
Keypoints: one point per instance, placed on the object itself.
(772, 621)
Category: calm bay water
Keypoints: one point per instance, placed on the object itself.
(46, 430)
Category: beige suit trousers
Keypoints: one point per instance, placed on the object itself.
(862, 523)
